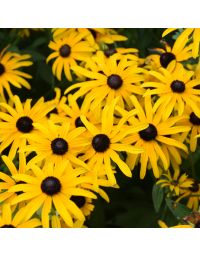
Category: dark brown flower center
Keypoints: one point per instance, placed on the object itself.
(100, 143)
(65, 50)
(194, 119)
(2, 69)
(197, 225)
(94, 33)
(195, 186)
(24, 124)
(79, 123)
(59, 146)
(114, 81)
(149, 133)
(78, 200)
(7, 226)
(166, 58)
(109, 52)
(51, 185)
(178, 86)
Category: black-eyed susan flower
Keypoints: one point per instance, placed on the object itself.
(176, 184)
(104, 36)
(84, 203)
(105, 143)
(152, 138)
(186, 34)
(176, 89)
(6, 179)
(109, 79)
(9, 220)
(10, 75)
(57, 143)
(18, 121)
(193, 121)
(73, 111)
(67, 51)
(51, 187)
(179, 52)
(192, 195)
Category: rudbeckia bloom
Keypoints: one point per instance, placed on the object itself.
(177, 183)
(188, 33)
(7, 220)
(193, 121)
(106, 142)
(19, 121)
(6, 179)
(152, 138)
(109, 79)
(67, 51)
(57, 144)
(10, 74)
(193, 196)
(73, 111)
(179, 52)
(104, 36)
(50, 188)
(175, 89)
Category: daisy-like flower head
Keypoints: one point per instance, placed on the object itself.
(105, 143)
(67, 51)
(6, 178)
(19, 121)
(177, 184)
(179, 52)
(57, 143)
(51, 187)
(193, 121)
(8, 220)
(193, 196)
(109, 79)
(84, 203)
(176, 89)
(152, 138)
(104, 36)
(10, 74)
(73, 112)
(188, 33)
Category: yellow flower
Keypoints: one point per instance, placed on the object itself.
(57, 144)
(18, 121)
(152, 138)
(175, 89)
(6, 179)
(109, 79)
(10, 62)
(177, 183)
(105, 142)
(7, 220)
(188, 33)
(52, 187)
(179, 52)
(68, 50)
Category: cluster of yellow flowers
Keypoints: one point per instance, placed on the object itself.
(122, 111)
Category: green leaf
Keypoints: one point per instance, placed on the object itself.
(178, 210)
(157, 196)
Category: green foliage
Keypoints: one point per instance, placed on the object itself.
(157, 196)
